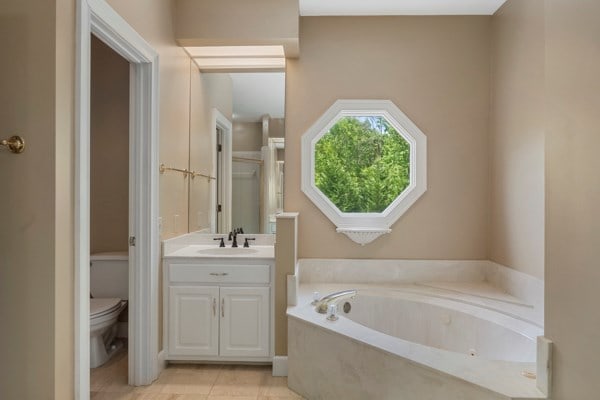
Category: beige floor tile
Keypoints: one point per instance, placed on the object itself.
(110, 396)
(191, 382)
(183, 379)
(230, 390)
(99, 379)
(243, 374)
(118, 384)
(240, 380)
(191, 397)
(278, 398)
(187, 384)
(276, 387)
(154, 396)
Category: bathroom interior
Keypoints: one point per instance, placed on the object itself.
(231, 182)
(474, 280)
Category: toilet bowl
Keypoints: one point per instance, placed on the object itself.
(109, 287)
(103, 329)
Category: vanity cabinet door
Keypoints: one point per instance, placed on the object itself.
(245, 321)
(193, 320)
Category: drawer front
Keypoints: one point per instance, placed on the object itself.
(207, 273)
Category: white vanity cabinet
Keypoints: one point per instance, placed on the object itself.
(193, 321)
(244, 330)
(218, 309)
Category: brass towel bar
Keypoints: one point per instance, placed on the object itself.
(247, 160)
(15, 144)
(185, 172)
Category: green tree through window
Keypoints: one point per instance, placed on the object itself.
(362, 164)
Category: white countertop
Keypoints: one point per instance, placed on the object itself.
(214, 251)
(204, 246)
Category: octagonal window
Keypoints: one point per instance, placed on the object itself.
(364, 165)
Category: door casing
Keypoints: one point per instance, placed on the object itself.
(98, 18)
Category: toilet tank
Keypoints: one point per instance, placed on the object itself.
(109, 275)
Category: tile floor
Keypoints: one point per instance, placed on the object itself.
(191, 382)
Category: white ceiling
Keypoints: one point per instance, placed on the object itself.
(258, 93)
(399, 7)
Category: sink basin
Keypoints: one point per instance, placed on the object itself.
(228, 251)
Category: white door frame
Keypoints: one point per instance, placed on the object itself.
(220, 121)
(96, 17)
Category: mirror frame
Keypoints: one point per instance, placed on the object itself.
(363, 228)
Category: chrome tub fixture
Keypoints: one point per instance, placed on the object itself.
(322, 305)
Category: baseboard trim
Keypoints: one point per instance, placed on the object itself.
(162, 363)
(544, 365)
(280, 366)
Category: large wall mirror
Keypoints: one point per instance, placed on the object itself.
(238, 134)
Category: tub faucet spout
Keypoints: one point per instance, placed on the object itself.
(333, 298)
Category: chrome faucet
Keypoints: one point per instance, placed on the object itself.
(332, 298)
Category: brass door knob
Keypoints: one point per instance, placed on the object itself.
(15, 144)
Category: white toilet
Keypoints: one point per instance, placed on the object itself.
(109, 287)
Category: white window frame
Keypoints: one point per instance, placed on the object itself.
(363, 228)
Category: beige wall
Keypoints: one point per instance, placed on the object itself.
(36, 101)
(109, 131)
(154, 24)
(208, 91)
(285, 260)
(517, 137)
(64, 310)
(436, 70)
(247, 136)
(277, 127)
(573, 195)
(238, 22)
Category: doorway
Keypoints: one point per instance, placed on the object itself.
(220, 216)
(97, 18)
(109, 213)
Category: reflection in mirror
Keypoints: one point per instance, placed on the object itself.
(245, 148)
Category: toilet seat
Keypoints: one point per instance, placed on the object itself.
(101, 307)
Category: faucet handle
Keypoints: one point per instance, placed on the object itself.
(316, 298)
(222, 239)
(246, 244)
(332, 312)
